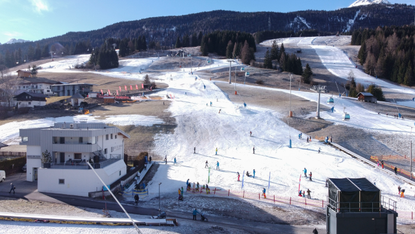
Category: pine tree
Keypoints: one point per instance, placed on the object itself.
(178, 43)
(362, 54)
(409, 75)
(229, 48)
(283, 64)
(307, 74)
(246, 54)
(282, 51)
(267, 60)
(274, 50)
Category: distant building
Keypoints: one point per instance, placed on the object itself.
(37, 87)
(71, 145)
(23, 73)
(366, 97)
(71, 89)
(28, 99)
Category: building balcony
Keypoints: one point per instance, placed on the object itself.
(75, 147)
(79, 164)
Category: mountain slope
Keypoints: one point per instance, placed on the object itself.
(369, 2)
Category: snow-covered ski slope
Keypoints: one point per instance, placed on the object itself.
(202, 126)
(337, 62)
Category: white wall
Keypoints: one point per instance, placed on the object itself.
(32, 103)
(78, 182)
(31, 161)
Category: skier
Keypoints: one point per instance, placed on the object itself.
(165, 159)
(206, 164)
(303, 193)
(318, 149)
(174, 160)
(254, 173)
(216, 152)
(217, 165)
(210, 103)
(300, 193)
(307, 139)
(305, 172)
(250, 133)
(247, 173)
(383, 164)
(194, 214)
(187, 183)
(197, 186)
(263, 192)
(308, 193)
(315, 231)
(136, 198)
(253, 150)
(311, 174)
(300, 135)
(399, 189)
(238, 175)
(194, 150)
(396, 170)
(219, 111)
(378, 163)
(403, 193)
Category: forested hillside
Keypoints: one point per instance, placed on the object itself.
(388, 52)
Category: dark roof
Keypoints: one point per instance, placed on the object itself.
(2, 145)
(38, 96)
(354, 185)
(366, 94)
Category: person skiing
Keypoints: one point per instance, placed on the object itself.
(206, 164)
(300, 193)
(311, 174)
(238, 175)
(194, 150)
(305, 172)
(194, 214)
(247, 173)
(216, 152)
(399, 189)
(303, 193)
(383, 164)
(300, 135)
(315, 231)
(307, 139)
(253, 150)
(254, 173)
(250, 133)
(174, 160)
(403, 193)
(396, 170)
(187, 182)
(210, 103)
(264, 192)
(217, 165)
(136, 198)
(165, 159)
(219, 111)
(318, 150)
(308, 193)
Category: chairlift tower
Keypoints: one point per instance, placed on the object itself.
(318, 88)
(230, 67)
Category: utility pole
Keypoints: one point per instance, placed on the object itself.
(230, 66)
(289, 116)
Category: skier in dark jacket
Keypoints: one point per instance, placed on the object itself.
(194, 214)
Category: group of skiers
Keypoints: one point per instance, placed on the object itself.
(305, 174)
(194, 187)
(301, 193)
(401, 192)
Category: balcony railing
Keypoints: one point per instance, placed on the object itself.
(375, 206)
(81, 164)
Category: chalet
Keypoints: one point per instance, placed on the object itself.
(76, 99)
(71, 89)
(37, 87)
(57, 156)
(366, 97)
(28, 99)
(23, 73)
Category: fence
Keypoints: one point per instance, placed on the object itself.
(391, 167)
(297, 201)
(18, 154)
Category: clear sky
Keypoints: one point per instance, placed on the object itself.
(37, 19)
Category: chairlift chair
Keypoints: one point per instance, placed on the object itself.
(246, 74)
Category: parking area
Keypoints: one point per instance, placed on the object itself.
(23, 187)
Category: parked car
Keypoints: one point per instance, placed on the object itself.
(24, 168)
(2, 175)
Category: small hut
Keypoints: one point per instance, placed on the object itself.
(366, 97)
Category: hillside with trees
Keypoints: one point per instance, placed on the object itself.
(181, 31)
(388, 52)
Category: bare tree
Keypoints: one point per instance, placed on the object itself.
(8, 86)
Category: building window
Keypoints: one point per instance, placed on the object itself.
(61, 181)
(25, 139)
(105, 151)
(81, 140)
(106, 137)
(119, 173)
(62, 140)
(115, 136)
(111, 136)
(78, 156)
(29, 103)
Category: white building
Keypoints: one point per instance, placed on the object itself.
(37, 87)
(71, 145)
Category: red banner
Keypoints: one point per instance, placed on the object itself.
(131, 87)
(125, 87)
(136, 86)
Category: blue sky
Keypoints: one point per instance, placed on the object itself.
(37, 19)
